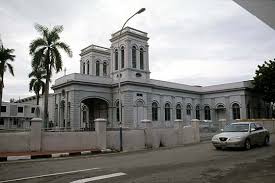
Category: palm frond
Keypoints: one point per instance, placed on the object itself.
(58, 59)
(10, 68)
(32, 82)
(64, 47)
(42, 29)
(37, 44)
(6, 54)
(37, 87)
(38, 59)
(54, 34)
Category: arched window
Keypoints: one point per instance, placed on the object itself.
(97, 69)
(188, 109)
(88, 67)
(122, 57)
(154, 111)
(117, 111)
(198, 116)
(141, 58)
(207, 115)
(178, 111)
(134, 57)
(167, 112)
(104, 69)
(83, 69)
(116, 59)
(236, 111)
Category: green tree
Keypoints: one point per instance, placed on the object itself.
(6, 56)
(264, 81)
(45, 51)
(37, 83)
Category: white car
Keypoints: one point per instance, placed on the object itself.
(241, 134)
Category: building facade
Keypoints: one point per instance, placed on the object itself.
(17, 115)
(79, 98)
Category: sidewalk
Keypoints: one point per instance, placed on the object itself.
(10, 156)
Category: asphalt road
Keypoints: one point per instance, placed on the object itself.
(192, 164)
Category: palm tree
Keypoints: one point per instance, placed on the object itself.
(5, 56)
(36, 84)
(45, 52)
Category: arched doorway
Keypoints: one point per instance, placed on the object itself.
(93, 108)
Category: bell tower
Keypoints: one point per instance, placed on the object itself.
(129, 54)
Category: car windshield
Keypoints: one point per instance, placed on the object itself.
(236, 128)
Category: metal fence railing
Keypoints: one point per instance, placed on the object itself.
(10, 130)
(66, 129)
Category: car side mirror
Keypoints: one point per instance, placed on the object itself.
(252, 129)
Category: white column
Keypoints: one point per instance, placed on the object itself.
(127, 52)
(35, 134)
(100, 129)
(148, 133)
(178, 123)
(196, 126)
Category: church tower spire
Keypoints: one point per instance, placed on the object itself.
(129, 53)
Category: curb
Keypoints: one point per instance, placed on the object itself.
(53, 155)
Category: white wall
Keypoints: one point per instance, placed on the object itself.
(59, 141)
(132, 140)
(15, 142)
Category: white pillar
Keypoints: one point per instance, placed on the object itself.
(195, 123)
(100, 129)
(178, 123)
(148, 133)
(35, 134)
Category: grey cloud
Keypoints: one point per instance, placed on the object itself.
(193, 36)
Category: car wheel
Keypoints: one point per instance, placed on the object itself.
(266, 141)
(247, 144)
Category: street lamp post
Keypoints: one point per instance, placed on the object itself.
(119, 86)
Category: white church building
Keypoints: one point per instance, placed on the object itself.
(79, 98)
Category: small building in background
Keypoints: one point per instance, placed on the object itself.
(17, 115)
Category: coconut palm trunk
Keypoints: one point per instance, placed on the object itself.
(37, 98)
(46, 97)
(1, 92)
(45, 52)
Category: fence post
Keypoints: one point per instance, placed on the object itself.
(195, 123)
(35, 134)
(222, 123)
(100, 129)
(148, 133)
(178, 123)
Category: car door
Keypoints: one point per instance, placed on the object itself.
(260, 133)
(253, 134)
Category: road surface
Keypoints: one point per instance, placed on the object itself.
(193, 164)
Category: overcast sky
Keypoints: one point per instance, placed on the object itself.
(196, 42)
